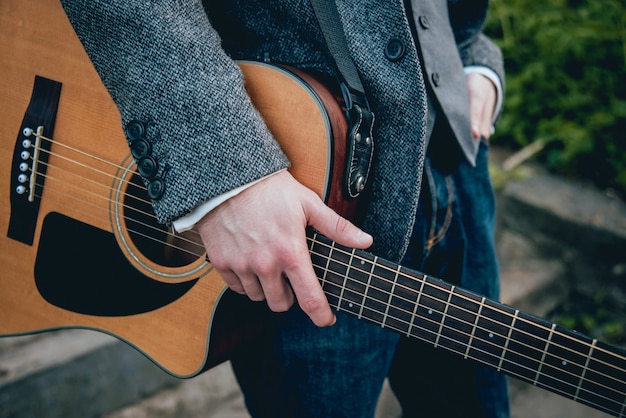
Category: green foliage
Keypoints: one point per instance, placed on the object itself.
(566, 83)
(596, 316)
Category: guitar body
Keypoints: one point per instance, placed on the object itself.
(84, 250)
(80, 247)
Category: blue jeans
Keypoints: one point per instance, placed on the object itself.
(299, 370)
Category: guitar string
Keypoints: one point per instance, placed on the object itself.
(107, 186)
(99, 171)
(392, 270)
(112, 177)
(107, 211)
(88, 167)
(581, 391)
(319, 243)
(194, 242)
(106, 174)
(536, 381)
(444, 301)
(467, 334)
(159, 230)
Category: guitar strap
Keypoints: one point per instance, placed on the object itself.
(360, 140)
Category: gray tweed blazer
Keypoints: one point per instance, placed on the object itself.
(170, 62)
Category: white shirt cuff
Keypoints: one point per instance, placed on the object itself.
(188, 221)
(493, 76)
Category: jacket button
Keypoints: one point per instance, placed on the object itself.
(135, 129)
(436, 79)
(156, 188)
(140, 148)
(147, 167)
(394, 50)
(424, 22)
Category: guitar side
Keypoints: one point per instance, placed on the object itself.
(84, 267)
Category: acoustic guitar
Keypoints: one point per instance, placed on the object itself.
(80, 247)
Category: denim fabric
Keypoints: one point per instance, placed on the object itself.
(303, 371)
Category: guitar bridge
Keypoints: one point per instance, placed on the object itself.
(30, 156)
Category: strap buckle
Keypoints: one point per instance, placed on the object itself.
(359, 141)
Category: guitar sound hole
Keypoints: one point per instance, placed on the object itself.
(153, 239)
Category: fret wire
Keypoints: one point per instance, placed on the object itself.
(391, 293)
(508, 338)
(519, 319)
(443, 317)
(311, 246)
(326, 268)
(502, 359)
(469, 344)
(345, 279)
(367, 286)
(417, 304)
(582, 376)
(543, 356)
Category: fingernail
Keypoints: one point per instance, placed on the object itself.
(476, 132)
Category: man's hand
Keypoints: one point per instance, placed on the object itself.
(482, 99)
(257, 242)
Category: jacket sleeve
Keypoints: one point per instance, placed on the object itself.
(175, 87)
(467, 18)
(483, 52)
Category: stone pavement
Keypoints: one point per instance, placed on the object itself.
(552, 235)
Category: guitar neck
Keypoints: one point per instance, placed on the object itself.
(477, 328)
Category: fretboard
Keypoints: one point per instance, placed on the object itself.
(513, 342)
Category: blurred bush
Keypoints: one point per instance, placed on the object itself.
(566, 86)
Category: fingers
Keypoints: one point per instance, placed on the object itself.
(258, 279)
(307, 288)
(278, 288)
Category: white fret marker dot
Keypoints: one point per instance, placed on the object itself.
(564, 363)
(430, 312)
(491, 335)
(350, 305)
(362, 262)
